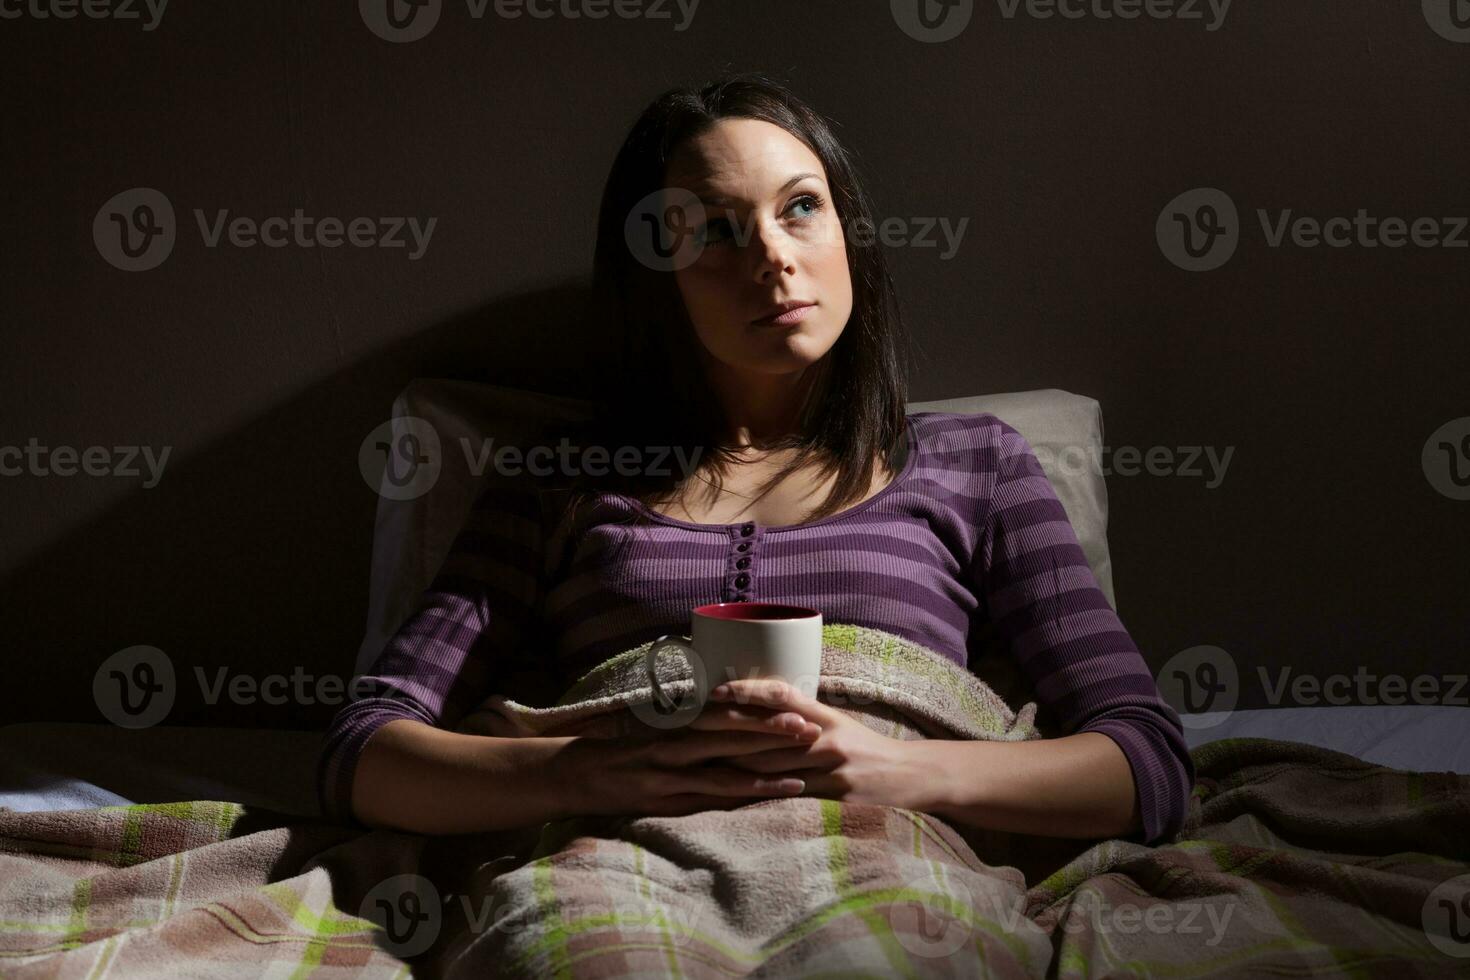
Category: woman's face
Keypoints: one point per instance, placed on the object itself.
(771, 236)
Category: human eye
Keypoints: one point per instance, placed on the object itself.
(812, 202)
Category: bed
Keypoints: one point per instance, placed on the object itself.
(101, 784)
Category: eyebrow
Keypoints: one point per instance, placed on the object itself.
(720, 200)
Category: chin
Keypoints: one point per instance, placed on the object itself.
(784, 352)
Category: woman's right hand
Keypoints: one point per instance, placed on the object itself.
(666, 772)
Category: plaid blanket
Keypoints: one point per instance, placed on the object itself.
(1294, 861)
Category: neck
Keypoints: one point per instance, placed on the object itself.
(758, 408)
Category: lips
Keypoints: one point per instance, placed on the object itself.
(786, 313)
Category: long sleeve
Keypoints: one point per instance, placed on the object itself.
(471, 622)
(1045, 604)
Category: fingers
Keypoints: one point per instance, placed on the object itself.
(696, 747)
(727, 782)
(718, 781)
(771, 692)
(755, 719)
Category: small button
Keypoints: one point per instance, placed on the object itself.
(742, 580)
(743, 563)
(743, 546)
(742, 598)
(746, 530)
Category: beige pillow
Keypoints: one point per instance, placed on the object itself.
(1066, 431)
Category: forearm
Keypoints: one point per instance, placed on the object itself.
(1077, 786)
(418, 778)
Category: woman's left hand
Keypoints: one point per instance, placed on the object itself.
(848, 761)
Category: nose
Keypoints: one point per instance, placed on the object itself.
(774, 252)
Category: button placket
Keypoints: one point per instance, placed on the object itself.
(740, 564)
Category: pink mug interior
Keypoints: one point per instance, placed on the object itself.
(760, 611)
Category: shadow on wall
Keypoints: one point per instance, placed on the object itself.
(250, 558)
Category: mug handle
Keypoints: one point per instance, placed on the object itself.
(685, 646)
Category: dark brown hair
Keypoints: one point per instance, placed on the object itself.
(853, 411)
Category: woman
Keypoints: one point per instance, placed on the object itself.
(765, 337)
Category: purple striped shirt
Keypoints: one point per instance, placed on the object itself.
(969, 535)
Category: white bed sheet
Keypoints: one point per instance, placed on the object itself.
(1423, 738)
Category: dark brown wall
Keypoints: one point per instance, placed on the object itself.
(1324, 548)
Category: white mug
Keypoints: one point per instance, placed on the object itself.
(738, 640)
